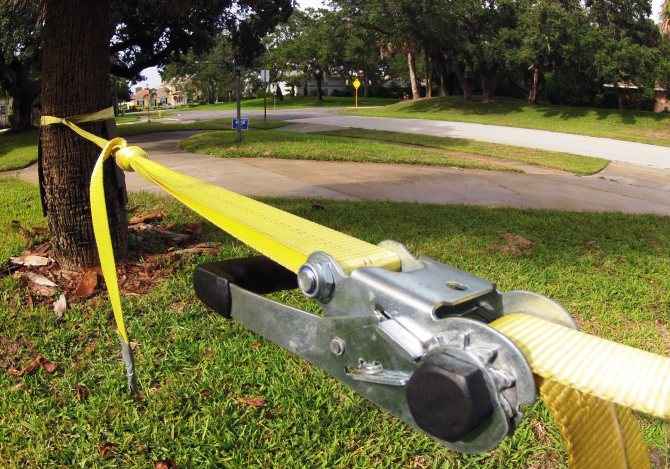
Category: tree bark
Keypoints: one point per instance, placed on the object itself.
(305, 92)
(458, 70)
(444, 77)
(536, 87)
(318, 76)
(76, 81)
(429, 74)
(414, 80)
(22, 109)
(366, 85)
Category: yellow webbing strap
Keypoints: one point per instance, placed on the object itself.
(588, 383)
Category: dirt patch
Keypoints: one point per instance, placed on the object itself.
(515, 245)
(12, 351)
(151, 261)
(658, 458)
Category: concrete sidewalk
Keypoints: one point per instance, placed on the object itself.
(620, 187)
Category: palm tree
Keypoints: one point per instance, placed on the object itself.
(665, 18)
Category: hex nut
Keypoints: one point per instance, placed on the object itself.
(448, 397)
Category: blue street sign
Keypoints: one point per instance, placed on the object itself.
(245, 124)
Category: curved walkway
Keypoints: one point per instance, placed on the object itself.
(610, 149)
(620, 187)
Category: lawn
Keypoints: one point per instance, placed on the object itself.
(296, 102)
(634, 126)
(293, 145)
(608, 269)
(18, 150)
(549, 159)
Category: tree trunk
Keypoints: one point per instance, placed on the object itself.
(458, 70)
(76, 81)
(366, 85)
(305, 92)
(487, 86)
(536, 87)
(429, 74)
(21, 107)
(444, 77)
(414, 80)
(318, 75)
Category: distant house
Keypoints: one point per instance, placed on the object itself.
(5, 110)
(328, 85)
(661, 95)
(168, 94)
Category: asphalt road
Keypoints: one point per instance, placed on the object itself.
(613, 150)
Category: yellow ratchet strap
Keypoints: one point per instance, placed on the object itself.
(589, 384)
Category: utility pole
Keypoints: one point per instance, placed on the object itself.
(238, 69)
(265, 105)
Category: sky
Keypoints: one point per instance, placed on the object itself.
(153, 79)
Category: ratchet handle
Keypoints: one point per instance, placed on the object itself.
(259, 275)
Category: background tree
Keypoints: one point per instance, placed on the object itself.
(212, 73)
(20, 57)
(79, 38)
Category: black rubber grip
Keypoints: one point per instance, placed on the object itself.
(257, 274)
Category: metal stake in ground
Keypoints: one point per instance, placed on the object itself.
(265, 78)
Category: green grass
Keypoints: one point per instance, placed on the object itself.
(634, 126)
(548, 159)
(194, 365)
(126, 118)
(292, 145)
(18, 150)
(296, 102)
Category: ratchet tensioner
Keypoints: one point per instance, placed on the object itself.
(415, 342)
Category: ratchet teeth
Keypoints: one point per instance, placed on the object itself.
(502, 380)
(486, 355)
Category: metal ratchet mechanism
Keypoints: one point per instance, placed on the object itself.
(414, 342)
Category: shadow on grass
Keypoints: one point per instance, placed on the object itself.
(18, 150)
(510, 106)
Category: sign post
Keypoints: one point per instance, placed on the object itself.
(148, 105)
(357, 85)
(265, 78)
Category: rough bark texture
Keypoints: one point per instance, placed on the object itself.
(414, 80)
(444, 78)
(536, 87)
(429, 74)
(458, 70)
(76, 81)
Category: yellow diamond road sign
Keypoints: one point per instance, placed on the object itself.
(357, 83)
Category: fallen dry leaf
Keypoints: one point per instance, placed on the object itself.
(256, 345)
(105, 449)
(254, 401)
(134, 208)
(143, 218)
(152, 230)
(31, 260)
(39, 230)
(90, 349)
(198, 251)
(141, 448)
(18, 387)
(44, 290)
(268, 415)
(139, 397)
(82, 392)
(318, 207)
(39, 279)
(28, 369)
(193, 229)
(87, 285)
(166, 464)
(48, 367)
(60, 306)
